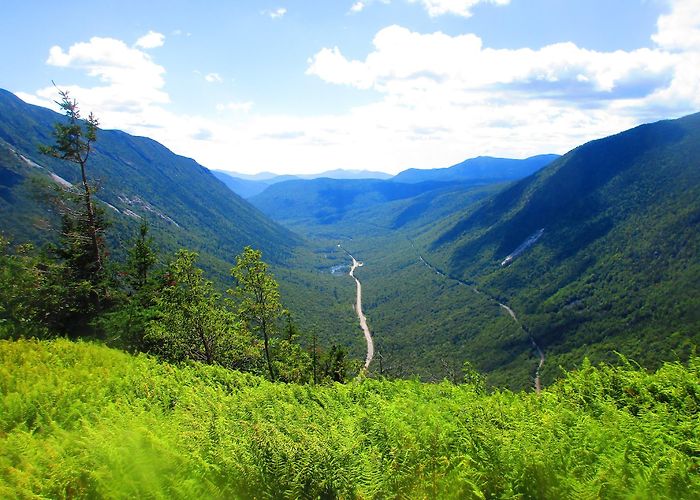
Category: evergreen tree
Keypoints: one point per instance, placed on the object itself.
(74, 142)
(141, 259)
(138, 288)
(335, 365)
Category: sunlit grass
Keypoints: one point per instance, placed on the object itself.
(82, 420)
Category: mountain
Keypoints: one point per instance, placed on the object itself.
(260, 176)
(597, 253)
(340, 173)
(482, 168)
(138, 178)
(326, 201)
(248, 186)
(245, 188)
(185, 205)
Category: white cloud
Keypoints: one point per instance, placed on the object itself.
(234, 106)
(275, 13)
(456, 7)
(405, 62)
(680, 28)
(129, 78)
(451, 97)
(357, 7)
(213, 78)
(151, 40)
(434, 100)
(331, 66)
(678, 32)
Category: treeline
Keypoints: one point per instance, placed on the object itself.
(73, 288)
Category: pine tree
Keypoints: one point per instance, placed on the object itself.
(74, 142)
(141, 259)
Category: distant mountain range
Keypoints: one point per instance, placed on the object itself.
(482, 168)
(246, 185)
(326, 200)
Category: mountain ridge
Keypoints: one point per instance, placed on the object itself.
(140, 177)
(616, 267)
(481, 168)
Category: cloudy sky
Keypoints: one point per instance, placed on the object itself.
(294, 86)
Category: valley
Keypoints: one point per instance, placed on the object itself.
(537, 380)
(568, 284)
(457, 266)
(350, 250)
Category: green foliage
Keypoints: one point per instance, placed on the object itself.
(192, 324)
(83, 244)
(41, 296)
(141, 259)
(19, 300)
(258, 298)
(81, 420)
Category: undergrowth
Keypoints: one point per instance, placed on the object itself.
(83, 420)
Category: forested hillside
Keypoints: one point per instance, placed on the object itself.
(138, 178)
(617, 267)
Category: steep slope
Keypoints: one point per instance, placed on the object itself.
(186, 206)
(138, 177)
(617, 267)
(327, 201)
(482, 168)
(245, 188)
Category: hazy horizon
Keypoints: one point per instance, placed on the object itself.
(380, 85)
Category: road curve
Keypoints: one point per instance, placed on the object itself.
(535, 346)
(511, 313)
(358, 310)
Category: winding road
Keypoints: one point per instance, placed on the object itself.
(511, 313)
(358, 310)
(540, 353)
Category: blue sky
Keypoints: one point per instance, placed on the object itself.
(301, 86)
